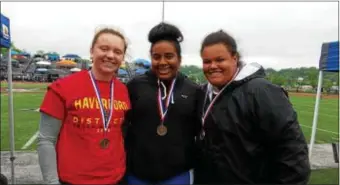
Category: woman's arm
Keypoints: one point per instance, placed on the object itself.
(286, 144)
(127, 124)
(198, 109)
(52, 113)
(48, 133)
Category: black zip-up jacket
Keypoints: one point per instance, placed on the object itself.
(152, 157)
(252, 136)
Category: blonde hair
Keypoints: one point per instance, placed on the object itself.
(111, 30)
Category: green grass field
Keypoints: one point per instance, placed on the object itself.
(328, 121)
(26, 122)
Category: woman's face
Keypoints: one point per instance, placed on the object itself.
(108, 53)
(219, 66)
(164, 60)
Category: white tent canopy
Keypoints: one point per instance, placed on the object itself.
(75, 69)
(45, 63)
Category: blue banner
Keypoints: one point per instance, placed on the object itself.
(5, 36)
(329, 59)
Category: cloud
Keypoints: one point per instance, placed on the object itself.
(277, 34)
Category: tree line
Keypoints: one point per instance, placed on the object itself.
(289, 77)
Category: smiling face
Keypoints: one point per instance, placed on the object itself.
(108, 53)
(165, 61)
(219, 66)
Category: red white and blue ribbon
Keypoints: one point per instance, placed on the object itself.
(163, 109)
(106, 118)
(209, 93)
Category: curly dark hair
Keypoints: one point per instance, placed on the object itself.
(165, 31)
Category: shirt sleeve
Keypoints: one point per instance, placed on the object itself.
(128, 101)
(49, 129)
(279, 123)
(127, 115)
(198, 110)
(54, 101)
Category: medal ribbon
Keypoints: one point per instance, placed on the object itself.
(212, 101)
(106, 119)
(164, 109)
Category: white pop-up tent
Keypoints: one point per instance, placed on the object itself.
(43, 63)
(75, 69)
(329, 61)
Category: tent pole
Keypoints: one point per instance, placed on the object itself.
(163, 11)
(316, 113)
(11, 114)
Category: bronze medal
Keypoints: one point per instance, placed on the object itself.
(104, 143)
(162, 130)
(106, 114)
(202, 135)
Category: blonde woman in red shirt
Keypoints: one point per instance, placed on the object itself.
(80, 139)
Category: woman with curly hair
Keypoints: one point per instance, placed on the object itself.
(163, 121)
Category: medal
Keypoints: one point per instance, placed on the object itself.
(163, 109)
(212, 101)
(162, 130)
(104, 143)
(202, 134)
(106, 114)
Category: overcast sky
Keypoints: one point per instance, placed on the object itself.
(274, 34)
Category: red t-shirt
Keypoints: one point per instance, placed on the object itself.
(80, 159)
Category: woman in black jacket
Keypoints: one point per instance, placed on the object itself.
(163, 121)
(3, 179)
(250, 132)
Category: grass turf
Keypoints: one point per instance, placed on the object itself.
(26, 122)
